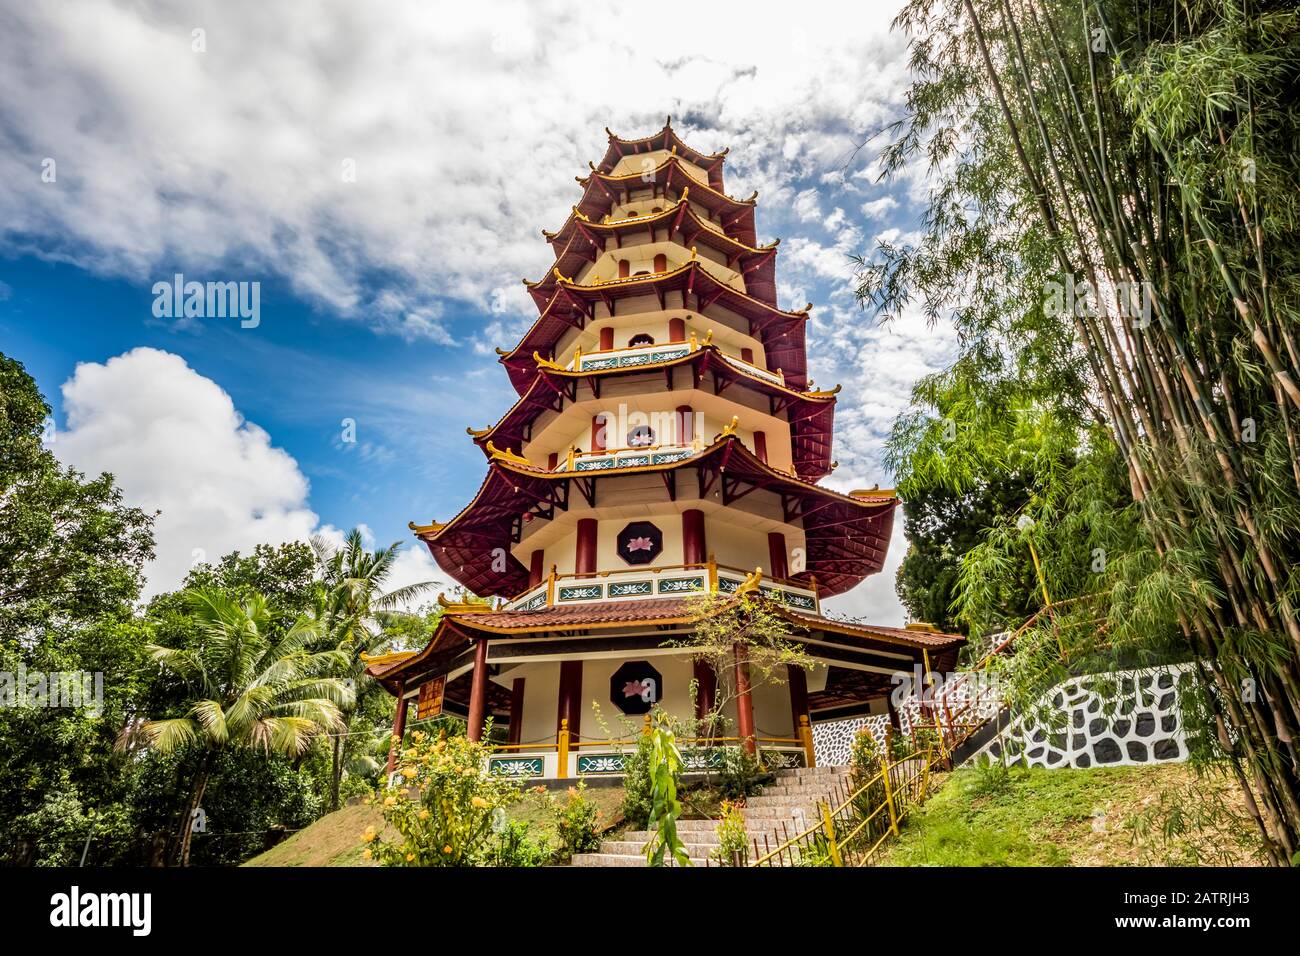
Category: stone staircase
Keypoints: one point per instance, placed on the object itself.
(784, 809)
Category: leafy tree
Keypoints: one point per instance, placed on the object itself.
(357, 617)
(247, 686)
(71, 559)
(1113, 222)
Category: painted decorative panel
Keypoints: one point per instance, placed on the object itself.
(630, 588)
(601, 763)
(580, 592)
(681, 585)
(516, 766)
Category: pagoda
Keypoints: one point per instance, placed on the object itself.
(666, 444)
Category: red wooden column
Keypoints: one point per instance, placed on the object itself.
(536, 567)
(744, 701)
(676, 330)
(760, 446)
(685, 424)
(798, 695)
(516, 711)
(694, 549)
(607, 338)
(776, 554)
(747, 355)
(598, 435)
(478, 691)
(584, 558)
(570, 699)
(399, 728)
(708, 688)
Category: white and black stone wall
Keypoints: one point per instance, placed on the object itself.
(1116, 719)
(1142, 725)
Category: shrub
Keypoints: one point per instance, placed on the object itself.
(514, 847)
(449, 820)
(576, 823)
(741, 774)
(637, 796)
(733, 838)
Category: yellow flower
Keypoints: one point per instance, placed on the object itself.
(447, 849)
(480, 803)
(424, 814)
(390, 801)
(408, 773)
(369, 835)
(366, 854)
(410, 857)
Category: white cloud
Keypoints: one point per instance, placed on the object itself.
(876, 208)
(175, 443)
(465, 128)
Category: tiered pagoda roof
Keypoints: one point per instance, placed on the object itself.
(811, 414)
(846, 535)
(665, 139)
(583, 240)
(572, 305)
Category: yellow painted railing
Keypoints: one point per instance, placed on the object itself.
(852, 831)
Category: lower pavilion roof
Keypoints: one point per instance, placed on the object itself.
(457, 630)
(846, 536)
(811, 414)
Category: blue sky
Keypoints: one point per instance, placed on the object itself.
(211, 140)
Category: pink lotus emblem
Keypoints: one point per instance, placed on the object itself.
(640, 544)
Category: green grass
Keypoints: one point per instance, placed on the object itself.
(1109, 817)
(335, 839)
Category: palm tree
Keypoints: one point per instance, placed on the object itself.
(351, 611)
(249, 686)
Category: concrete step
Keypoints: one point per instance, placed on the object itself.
(693, 826)
(804, 791)
(615, 859)
(637, 848)
(700, 837)
(803, 798)
(782, 811)
(801, 772)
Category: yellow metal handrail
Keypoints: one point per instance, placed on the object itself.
(826, 824)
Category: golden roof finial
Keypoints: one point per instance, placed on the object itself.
(731, 427)
(478, 432)
(750, 584)
(433, 527)
(462, 607)
(543, 362)
(505, 454)
(499, 349)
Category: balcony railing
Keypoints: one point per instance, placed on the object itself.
(674, 580)
(604, 359)
(627, 457)
(565, 757)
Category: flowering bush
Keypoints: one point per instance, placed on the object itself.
(733, 838)
(448, 822)
(576, 823)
